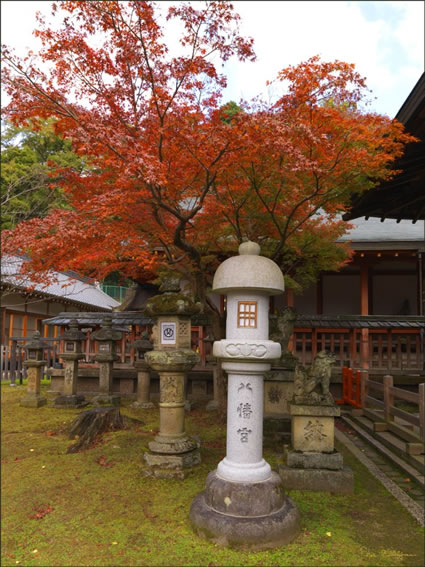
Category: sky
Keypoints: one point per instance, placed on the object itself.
(385, 40)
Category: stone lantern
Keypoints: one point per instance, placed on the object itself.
(142, 346)
(244, 503)
(106, 337)
(34, 363)
(73, 339)
(172, 452)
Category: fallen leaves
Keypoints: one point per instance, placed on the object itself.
(39, 515)
(103, 462)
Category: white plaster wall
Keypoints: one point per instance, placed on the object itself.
(341, 295)
(390, 292)
(232, 330)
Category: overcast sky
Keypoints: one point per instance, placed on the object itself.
(384, 39)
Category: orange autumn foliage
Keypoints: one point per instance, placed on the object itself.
(170, 178)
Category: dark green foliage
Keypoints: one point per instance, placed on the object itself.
(30, 178)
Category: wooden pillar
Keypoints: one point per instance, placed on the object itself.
(364, 310)
(421, 293)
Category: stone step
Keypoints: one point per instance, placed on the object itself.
(391, 447)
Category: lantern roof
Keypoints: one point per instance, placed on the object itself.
(249, 271)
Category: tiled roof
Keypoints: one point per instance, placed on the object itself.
(360, 321)
(72, 288)
(373, 230)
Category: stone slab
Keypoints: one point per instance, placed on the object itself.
(313, 433)
(33, 402)
(212, 405)
(314, 410)
(253, 533)
(318, 480)
(170, 466)
(72, 401)
(143, 405)
(314, 460)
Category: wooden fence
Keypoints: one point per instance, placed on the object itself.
(13, 355)
(379, 403)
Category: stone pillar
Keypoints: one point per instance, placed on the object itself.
(142, 346)
(244, 503)
(106, 356)
(34, 363)
(172, 452)
(73, 339)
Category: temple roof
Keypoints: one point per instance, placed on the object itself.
(68, 286)
(402, 197)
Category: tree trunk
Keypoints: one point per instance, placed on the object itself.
(90, 424)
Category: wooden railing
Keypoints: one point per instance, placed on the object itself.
(387, 349)
(379, 402)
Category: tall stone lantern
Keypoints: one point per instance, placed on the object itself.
(106, 356)
(73, 339)
(172, 452)
(244, 503)
(34, 363)
(142, 346)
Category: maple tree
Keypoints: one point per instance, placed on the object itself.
(176, 178)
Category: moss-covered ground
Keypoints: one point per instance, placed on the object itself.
(95, 508)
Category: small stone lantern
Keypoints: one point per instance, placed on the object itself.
(73, 339)
(244, 503)
(106, 337)
(34, 363)
(172, 452)
(142, 346)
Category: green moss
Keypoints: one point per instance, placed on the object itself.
(112, 515)
(172, 304)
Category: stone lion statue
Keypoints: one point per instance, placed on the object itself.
(282, 329)
(307, 380)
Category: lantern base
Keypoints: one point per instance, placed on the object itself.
(249, 515)
(33, 402)
(143, 405)
(170, 466)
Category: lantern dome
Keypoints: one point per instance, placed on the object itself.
(249, 271)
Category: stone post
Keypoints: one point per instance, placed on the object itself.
(142, 346)
(34, 363)
(106, 356)
(73, 339)
(244, 502)
(172, 452)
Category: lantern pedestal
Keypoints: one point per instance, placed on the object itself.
(312, 463)
(143, 388)
(244, 503)
(69, 398)
(33, 398)
(106, 338)
(172, 452)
